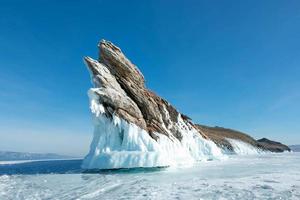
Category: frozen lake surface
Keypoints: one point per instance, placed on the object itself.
(264, 176)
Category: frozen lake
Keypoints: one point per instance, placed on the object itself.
(264, 176)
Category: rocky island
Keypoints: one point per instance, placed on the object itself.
(134, 127)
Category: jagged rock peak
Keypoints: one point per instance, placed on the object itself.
(113, 56)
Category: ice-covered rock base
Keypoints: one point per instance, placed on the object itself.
(119, 144)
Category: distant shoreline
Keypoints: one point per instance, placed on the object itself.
(23, 156)
(295, 148)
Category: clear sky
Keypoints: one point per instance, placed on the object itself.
(228, 63)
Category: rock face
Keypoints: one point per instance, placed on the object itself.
(273, 146)
(136, 128)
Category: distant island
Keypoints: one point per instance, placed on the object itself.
(295, 148)
(14, 156)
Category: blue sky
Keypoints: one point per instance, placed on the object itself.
(228, 63)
